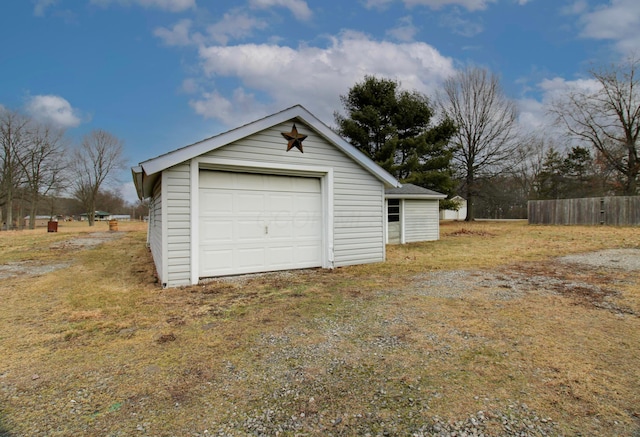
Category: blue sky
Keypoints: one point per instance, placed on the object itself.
(161, 74)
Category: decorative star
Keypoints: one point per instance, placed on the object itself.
(295, 139)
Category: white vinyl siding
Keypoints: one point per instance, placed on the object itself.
(155, 228)
(421, 220)
(358, 196)
(178, 216)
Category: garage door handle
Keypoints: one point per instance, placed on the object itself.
(266, 230)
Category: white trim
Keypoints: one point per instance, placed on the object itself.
(385, 226)
(164, 280)
(207, 162)
(325, 174)
(194, 187)
(328, 259)
(402, 228)
(416, 196)
(386, 222)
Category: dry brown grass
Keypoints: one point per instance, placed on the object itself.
(99, 349)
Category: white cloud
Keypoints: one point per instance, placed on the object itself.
(618, 21)
(41, 5)
(576, 8)
(234, 25)
(239, 109)
(405, 30)
(459, 25)
(189, 86)
(534, 113)
(312, 76)
(167, 5)
(178, 35)
(298, 8)
(53, 109)
(471, 5)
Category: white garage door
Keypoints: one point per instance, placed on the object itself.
(258, 223)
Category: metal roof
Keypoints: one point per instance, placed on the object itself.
(411, 191)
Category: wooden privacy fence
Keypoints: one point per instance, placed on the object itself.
(619, 210)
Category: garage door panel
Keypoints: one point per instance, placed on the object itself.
(307, 254)
(216, 231)
(248, 203)
(221, 259)
(249, 257)
(216, 202)
(279, 203)
(280, 257)
(253, 223)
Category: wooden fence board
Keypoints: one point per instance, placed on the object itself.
(617, 211)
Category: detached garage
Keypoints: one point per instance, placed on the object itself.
(283, 192)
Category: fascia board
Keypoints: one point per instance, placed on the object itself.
(416, 196)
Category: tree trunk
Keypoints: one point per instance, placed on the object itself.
(32, 215)
(9, 218)
(470, 197)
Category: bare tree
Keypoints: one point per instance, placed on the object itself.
(608, 119)
(94, 164)
(43, 164)
(13, 137)
(486, 120)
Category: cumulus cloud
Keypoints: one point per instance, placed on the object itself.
(41, 6)
(534, 113)
(460, 25)
(53, 109)
(312, 76)
(618, 21)
(471, 5)
(167, 5)
(178, 35)
(405, 30)
(234, 25)
(298, 8)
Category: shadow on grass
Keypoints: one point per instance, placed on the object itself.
(4, 432)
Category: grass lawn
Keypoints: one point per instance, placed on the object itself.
(485, 320)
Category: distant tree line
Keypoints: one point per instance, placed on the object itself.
(466, 140)
(42, 173)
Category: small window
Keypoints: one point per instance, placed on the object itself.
(393, 210)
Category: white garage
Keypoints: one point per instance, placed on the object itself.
(283, 192)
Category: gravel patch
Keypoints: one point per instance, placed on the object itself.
(624, 259)
(87, 241)
(37, 268)
(30, 268)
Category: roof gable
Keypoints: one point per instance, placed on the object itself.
(156, 165)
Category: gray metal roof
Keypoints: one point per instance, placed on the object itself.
(411, 191)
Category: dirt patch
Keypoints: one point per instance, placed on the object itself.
(68, 247)
(570, 276)
(86, 241)
(30, 268)
(470, 232)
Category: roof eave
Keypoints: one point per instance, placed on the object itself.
(416, 196)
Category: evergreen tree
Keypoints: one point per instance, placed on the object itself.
(395, 128)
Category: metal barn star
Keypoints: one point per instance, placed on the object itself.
(295, 139)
